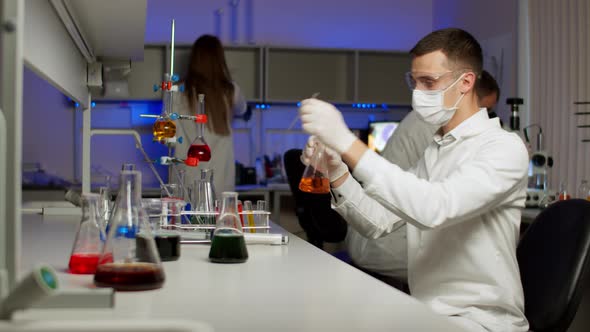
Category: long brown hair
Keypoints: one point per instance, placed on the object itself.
(208, 74)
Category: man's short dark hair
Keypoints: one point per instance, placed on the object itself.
(487, 85)
(460, 47)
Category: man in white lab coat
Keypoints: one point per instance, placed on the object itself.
(386, 257)
(462, 201)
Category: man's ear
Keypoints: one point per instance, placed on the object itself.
(468, 82)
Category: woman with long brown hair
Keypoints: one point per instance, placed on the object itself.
(208, 74)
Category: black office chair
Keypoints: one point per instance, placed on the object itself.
(554, 261)
(316, 217)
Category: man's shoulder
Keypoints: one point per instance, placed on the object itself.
(501, 136)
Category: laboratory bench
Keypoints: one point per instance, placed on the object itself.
(295, 287)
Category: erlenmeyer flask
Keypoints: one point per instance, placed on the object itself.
(228, 245)
(205, 198)
(89, 238)
(129, 260)
(315, 176)
(199, 150)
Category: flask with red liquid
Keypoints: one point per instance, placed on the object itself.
(89, 238)
(199, 150)
(130, 259)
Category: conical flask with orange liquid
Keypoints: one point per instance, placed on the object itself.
(89, 238)
(199, 150)
(315, 178)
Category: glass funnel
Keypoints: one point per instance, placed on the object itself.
(315, 178)
(228, 245)
(199, 150)
(129, 260)
(89, 238)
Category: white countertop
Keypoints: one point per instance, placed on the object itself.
(296, 287)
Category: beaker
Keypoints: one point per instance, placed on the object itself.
(315, 178)
(199, 149)
(227, 244)
(171, 190)
(89, 237)
(167, 239)
(129, 260)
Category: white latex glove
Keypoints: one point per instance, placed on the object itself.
(323, 120)
(336, 167)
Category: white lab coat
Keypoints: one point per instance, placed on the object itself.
(388, 255)
(222, 147)
(462, 205)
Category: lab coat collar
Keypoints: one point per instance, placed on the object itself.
(475, 124)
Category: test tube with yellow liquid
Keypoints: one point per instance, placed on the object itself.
(249, 216)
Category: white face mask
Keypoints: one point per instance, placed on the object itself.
(429, 104)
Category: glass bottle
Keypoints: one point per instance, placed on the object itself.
(199, 150)
(584, 190)
(563, 192)
(315, 178)
(89, 237)
(228, 245)
(129, 260)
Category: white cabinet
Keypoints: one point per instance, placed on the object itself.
(381, 78)
(295, 74)
(287, 75)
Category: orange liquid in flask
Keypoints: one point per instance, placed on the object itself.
(315, 185)
(163, 129)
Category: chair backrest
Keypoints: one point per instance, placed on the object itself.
(553, 256)
(316, 217)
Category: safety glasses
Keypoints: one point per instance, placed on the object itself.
(428, 81)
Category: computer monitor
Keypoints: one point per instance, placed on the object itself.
(379, 133)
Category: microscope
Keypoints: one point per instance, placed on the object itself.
(514, 118)
(538, 192)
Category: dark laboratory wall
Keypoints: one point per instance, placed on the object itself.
(369, 24)
(494, 24)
